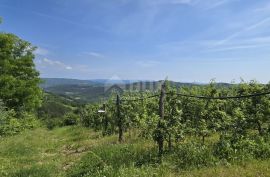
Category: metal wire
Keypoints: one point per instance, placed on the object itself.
(223, 97)
(203, 97)
(199, 96)
(140, 99)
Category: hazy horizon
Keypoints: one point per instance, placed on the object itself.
(149, 80)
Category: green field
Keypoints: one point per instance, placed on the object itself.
(77, 151)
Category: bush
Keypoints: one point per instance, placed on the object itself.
(224, 150)
(66, 120)
(190, 155)
(262, 150)
(10, 125)
(29, 121)
(71, 119)
(51, 123)
(242, 149)
(108, 160)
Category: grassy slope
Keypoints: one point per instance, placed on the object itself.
(73, 151)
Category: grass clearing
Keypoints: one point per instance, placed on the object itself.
(77, 151)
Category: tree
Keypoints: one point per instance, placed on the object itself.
(19, 80)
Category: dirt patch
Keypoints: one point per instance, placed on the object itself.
(73, 149)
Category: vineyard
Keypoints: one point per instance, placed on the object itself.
(82, 92)
(186, 120)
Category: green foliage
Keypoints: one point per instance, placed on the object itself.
(51, 123)
(19, 80)
(140, 115)
(19, 85)
(91, 118)
(57, 111)
(108, 160)
(34, 171)
(239, 150)
(89, 165)
(9, 125)
(71, 119)
(54, 106)
(242, 125)
(262, 150)
(106, 122)
(194, 155)
(79, 151)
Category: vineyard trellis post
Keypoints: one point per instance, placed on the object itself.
(105, 119)
(160, 138)
(119, 118)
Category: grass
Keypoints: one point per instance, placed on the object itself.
(45, 153)
(78, 151)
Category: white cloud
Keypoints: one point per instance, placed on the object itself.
(53, 63)
(209, 46)
(215, 4)
(68, 67)
(248, 43)
(243, 30)
(238, 47)
(41, 51)
(94, 54)
(205, 4)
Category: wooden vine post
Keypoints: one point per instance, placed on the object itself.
(120, 121)
(160, 138)
(105, 119)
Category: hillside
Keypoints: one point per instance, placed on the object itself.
(51, 82)
(93, 90)
(77, 151)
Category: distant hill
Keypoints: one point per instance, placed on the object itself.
(51, 82)
(85, 91)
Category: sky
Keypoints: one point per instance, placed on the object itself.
(182, 40)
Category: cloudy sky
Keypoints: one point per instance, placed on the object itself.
(184, 40)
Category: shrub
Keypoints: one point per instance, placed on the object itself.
(10, 125)
(52, 122)
(190, 155)
(242, 149)
(223, 149)
(71, 119)
(108, 160)
(29, 121)
(66, 120)
(263, 148)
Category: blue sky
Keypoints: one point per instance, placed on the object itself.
(184, 40)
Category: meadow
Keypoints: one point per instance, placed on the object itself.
(79, 151)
